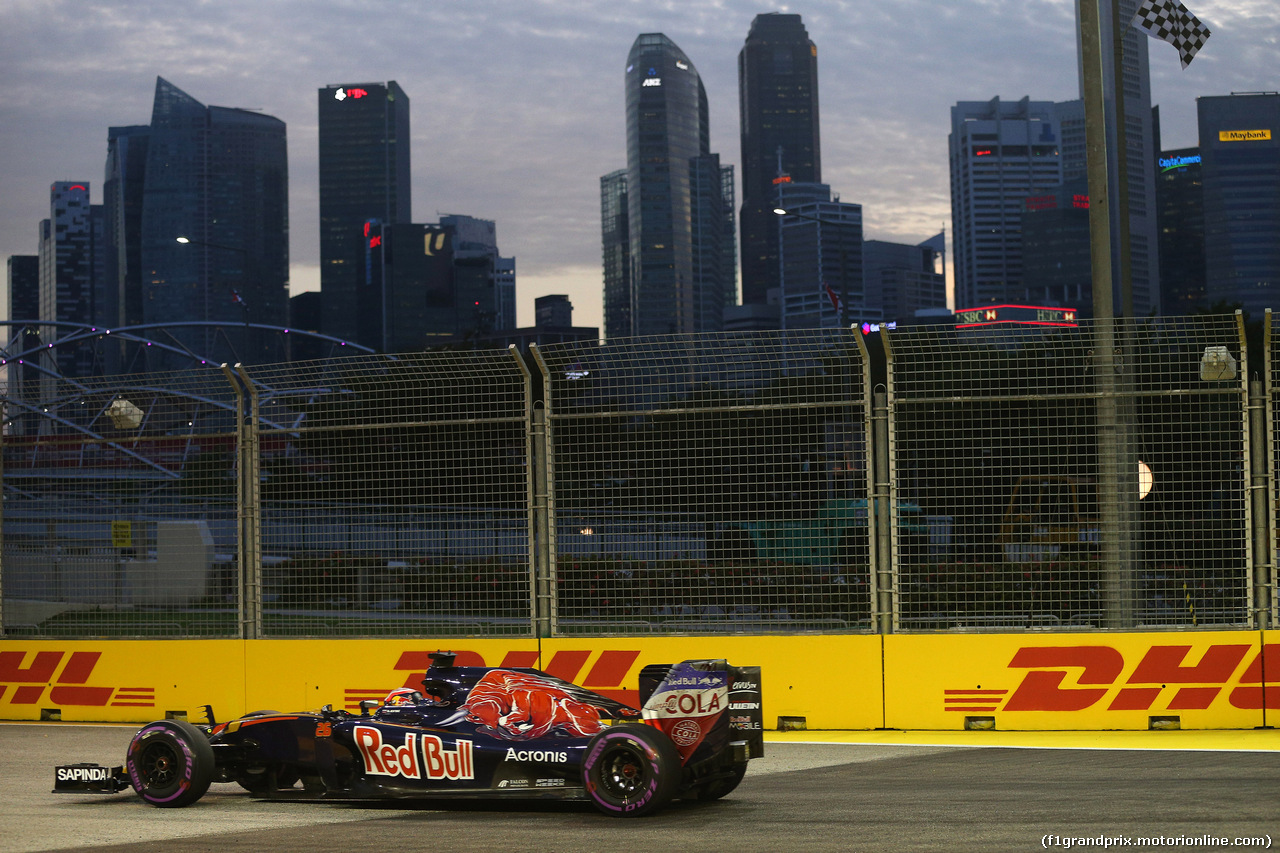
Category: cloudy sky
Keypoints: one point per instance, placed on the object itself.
(517, 105)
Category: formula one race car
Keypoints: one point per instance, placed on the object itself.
(471, 732)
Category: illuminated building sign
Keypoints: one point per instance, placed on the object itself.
(433, 242)
(782, 179)
(652, 81)
(1169, 164)
(1049, 202)
(1023, 315)
(343, 94)
(982, 152)
(683, 66)
(1243, 135)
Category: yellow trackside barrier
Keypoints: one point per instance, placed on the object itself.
(1078, 681)
(1028, 682)
(118, 680)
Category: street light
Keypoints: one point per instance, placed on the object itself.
(843, 306)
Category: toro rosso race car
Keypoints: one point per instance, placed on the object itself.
(470, 732)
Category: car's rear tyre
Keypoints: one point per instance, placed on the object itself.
(717, 788)
(170, 763)
(630, 770)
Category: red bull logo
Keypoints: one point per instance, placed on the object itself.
(422, 757)
(1165, 678)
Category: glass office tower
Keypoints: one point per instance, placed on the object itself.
(71, 252)
(1002, 152)
(616, 254)
(364, 177)
(677, 213)
(1240, 174)
(778, 112)
(1180, 215)
(219, 177)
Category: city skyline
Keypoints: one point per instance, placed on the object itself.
(516, 104)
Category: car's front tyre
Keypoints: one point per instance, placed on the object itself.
(170, 763)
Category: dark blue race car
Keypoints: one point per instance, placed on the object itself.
(470, 732)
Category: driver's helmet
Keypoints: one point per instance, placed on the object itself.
(402, 696)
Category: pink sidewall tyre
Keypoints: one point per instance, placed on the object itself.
(630, 770)
(170, 763)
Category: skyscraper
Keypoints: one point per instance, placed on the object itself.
(615, 239)
(440, 282)
(122, 195)
(1180, 203)
(123, 190)
(24, 288)
(677, 215)
(820, 253)
(1002, 152)
(1057, 269)
(71, 252)
(364, 177)
(217, 176)
(1140, 156)
(901, 279)
(21, 377)
(1240, 171)
(778, 113)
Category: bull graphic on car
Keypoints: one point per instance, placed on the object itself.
(522, 706)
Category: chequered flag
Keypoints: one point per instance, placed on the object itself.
(1169, 20)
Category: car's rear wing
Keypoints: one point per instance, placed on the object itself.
(746, 710)
(705, 692)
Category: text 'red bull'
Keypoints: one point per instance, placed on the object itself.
(416, 759)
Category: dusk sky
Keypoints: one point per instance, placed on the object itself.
(517, 105)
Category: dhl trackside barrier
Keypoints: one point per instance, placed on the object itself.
(1085, 682)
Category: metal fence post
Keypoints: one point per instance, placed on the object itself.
(1117, 472)
(543, 503)
(536, 499)
(541, 601)
(883, 516)
(3, 420)
(251, 608)
(875, 415)
(248, 537)
(1258, 490)
(1257, 457)
(1267, 579)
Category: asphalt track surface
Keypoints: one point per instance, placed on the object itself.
(814, 791)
